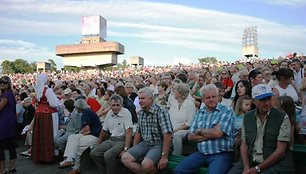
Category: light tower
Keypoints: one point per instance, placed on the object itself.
(250, 43)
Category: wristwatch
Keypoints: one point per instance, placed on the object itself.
(126, 148)
(257, 169)
(164, 154)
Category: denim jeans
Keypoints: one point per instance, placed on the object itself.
(217, 163)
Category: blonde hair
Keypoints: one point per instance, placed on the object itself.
(238, 106)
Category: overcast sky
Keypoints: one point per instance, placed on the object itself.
(163, 32)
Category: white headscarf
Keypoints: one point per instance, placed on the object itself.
(42, 80)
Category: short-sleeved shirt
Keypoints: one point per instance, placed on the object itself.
(94, 104)
(153, 124)
(19, 110)
(284, 135)
(91, 118)
(118, 124)
(222, 115)
(238, 123)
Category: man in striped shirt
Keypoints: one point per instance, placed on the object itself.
(212, 128)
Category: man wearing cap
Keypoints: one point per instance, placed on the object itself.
(265, 137)
(274, 66)
(67, 94)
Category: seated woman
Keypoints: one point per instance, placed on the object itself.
(78, 143)
(181, 115)
(162, 97)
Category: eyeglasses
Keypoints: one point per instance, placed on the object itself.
(223, 73)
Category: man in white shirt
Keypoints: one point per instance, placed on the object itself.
(298, 72)
(119, 123)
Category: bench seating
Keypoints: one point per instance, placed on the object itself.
(299, 156)
(88, 166)
(175, 160)
(188, 148)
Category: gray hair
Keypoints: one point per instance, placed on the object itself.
(147, 91)
(242, 72)
(87, 86)
(116, 98)
(183, 89)
(28, 99)
(81, 104)
(208, 87)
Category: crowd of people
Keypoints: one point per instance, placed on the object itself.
(244, 118)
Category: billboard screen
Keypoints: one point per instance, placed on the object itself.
(94, 25)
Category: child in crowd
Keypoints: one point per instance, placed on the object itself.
(286, 104)
(244, 105)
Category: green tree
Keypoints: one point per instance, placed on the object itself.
(210, 60)
(7, 67)
(17, 66)
(21, 66)
(124, 64)
(71, 69)
(53, 64)
(33, 66)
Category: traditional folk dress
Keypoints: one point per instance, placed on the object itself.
(45, 128)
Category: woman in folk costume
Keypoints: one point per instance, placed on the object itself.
(46, 121)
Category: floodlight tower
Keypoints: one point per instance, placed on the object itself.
(250, 43)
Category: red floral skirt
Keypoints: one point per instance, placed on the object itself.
(43, 139)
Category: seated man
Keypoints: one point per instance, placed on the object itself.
(87, 137)
(265, 137)
(212, 128)
(73, 126)
(155, 130)
(119, 123)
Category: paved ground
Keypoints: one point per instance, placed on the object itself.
(25, 165)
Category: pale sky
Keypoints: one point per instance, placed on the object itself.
(163, 32)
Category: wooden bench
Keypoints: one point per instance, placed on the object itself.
(89, 166)
(175, 160)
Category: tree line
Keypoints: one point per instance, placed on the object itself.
(23, 66)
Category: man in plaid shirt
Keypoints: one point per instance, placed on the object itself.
(212, 128)
(155, 130)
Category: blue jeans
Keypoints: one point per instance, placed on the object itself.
(217, 163)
